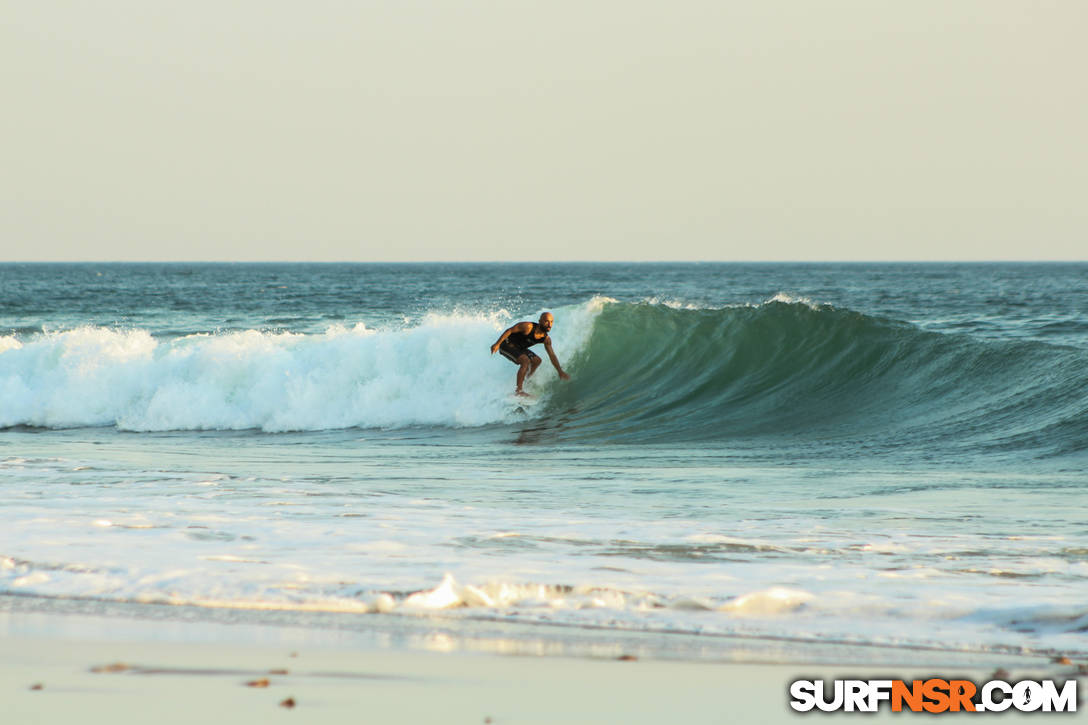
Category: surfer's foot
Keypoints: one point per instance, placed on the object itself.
(522, 393)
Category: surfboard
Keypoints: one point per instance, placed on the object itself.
(523, 403)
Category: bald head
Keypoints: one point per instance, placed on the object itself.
(546, 321)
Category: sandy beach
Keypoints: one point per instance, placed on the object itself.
(142, 672)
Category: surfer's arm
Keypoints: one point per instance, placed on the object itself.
(554, 359)
(520, 327)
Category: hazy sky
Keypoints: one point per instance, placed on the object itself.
(524, 129)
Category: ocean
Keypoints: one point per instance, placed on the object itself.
(764, 462)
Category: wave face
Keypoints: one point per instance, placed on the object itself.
(788, 368)
(782, 370)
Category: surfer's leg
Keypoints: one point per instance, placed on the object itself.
(523, 369)
(534, 363)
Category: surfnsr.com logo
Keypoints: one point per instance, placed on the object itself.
(933, 695)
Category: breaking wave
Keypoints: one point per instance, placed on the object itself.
(644, 372)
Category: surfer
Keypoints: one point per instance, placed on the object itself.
(514, 345)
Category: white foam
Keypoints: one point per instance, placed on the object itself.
(675, 304)
(32, 579)
(789, 299)
(439, 372)
(769, 602)
(779, 297)
(445, 595)
(504, 594)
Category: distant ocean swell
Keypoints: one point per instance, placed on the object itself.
(642, 372)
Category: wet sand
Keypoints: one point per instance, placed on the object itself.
(135, 678)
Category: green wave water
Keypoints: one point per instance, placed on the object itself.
(651, 372)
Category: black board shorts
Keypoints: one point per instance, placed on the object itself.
(512, 353)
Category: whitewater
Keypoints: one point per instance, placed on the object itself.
(769, 458)
(426, 374)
